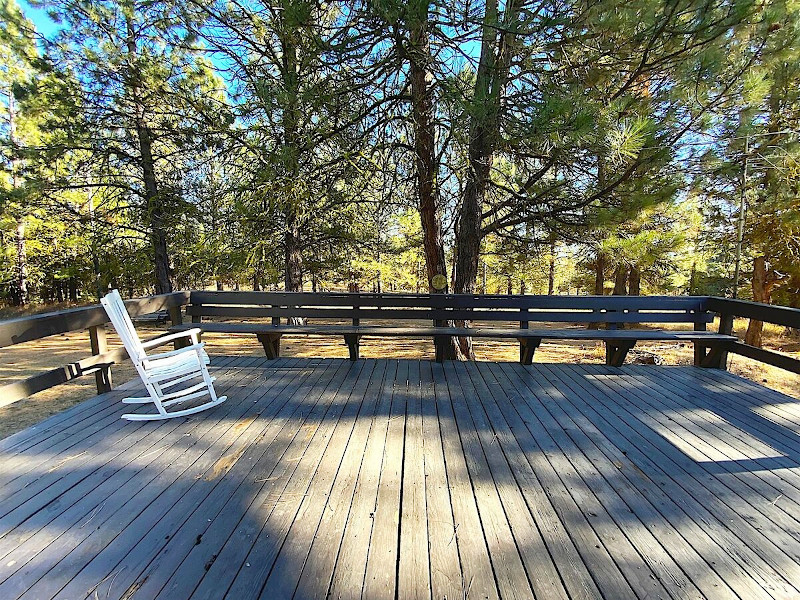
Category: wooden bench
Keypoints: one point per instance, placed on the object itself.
(443, 310)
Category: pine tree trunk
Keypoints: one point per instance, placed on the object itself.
(634, 281)
(620, 281)
(293, 281)
(293, 271)
(425, 160)
(600, 274)
(21, 278)
(761, 293)
(551, 271)
(154, 204)
(599, 280)
(21, 295)
(484, 131)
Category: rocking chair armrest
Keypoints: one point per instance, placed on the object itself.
(192, 348)
(193, 333)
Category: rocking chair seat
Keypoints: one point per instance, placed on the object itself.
(177, 364)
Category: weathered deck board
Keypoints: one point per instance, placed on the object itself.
(401, 479)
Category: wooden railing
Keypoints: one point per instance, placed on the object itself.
(608, 309)
(729, 309)
(93, 318)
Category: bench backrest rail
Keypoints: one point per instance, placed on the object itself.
(440, 308)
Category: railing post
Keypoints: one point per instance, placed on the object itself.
(195, 318)
(523, 325)
(725, 328)
(97, 339)
(353, 340)
(176, 318)
(700, 350)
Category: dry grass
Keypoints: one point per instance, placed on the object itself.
(24, 360)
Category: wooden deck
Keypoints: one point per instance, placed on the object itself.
(405, 479)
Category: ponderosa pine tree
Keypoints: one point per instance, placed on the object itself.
(18, 56)
(140, 102)
(299, 89)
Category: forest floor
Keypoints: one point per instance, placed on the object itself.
(24, 360)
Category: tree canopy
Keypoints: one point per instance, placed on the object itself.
(543, 146)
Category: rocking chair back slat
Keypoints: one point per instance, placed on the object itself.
(119, 317)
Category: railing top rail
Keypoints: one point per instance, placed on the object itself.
(34, 327)
(768, 313)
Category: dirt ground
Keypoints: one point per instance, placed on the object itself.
(24, 360)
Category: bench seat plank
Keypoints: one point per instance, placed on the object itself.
(482, 332)
(618, 341)
(647, 315)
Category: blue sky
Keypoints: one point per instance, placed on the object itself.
(44, 24)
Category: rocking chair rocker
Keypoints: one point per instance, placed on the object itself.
(165, 370)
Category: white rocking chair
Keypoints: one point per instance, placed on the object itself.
(165, 370)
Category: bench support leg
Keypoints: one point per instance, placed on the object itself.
(271, 343)
(352, 340)
(616, 351)
(441, 345)
(527, 348)
(710, 357)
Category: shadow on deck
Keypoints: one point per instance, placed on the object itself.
(387, 478)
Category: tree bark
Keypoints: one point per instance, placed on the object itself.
(425, 159)
(599, 280)
(600, 274)
(21, 294)
(551, 271)
(21, 276)
(72, 284)
(153, 201)
(634, 281)
(293, 280)
(762, 292)
(620, 281)
(484, 132)
(293, 271)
